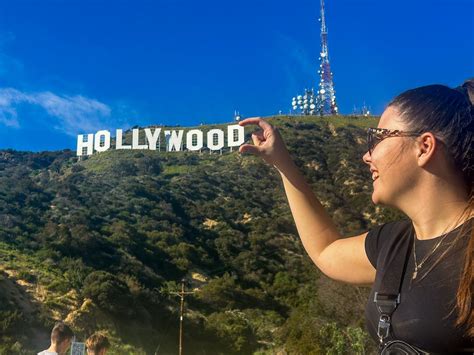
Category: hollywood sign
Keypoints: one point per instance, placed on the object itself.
(87, 144)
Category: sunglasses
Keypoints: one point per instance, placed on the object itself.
(376, 135)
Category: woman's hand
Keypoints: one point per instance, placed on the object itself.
(267, 143)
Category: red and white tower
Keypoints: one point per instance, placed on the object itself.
(326, 93)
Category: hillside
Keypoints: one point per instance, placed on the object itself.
(102, 241)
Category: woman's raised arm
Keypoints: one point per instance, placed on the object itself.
(340, 258)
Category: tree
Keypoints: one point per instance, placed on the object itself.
(108, 292)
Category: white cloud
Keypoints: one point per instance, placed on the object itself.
(8, 117)
(71, 114)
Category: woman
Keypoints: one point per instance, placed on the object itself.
(420, 157)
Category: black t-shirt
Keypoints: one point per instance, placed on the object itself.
(425, 316)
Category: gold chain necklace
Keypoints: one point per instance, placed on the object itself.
(418, 266)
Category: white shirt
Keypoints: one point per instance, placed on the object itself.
(47, 352)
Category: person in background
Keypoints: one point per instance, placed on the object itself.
(97, 344)
(61, 337)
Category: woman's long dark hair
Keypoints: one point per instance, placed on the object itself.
(448, 114)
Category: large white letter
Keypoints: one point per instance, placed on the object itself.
(119, 141)
(135, 140)
(175, 140)
(101, 145)
(189, 139)
(152, 137)
(219, 134)
(81, 144)
(235, 135)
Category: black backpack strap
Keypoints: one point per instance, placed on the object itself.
(387, 297)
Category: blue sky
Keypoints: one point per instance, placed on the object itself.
(69, 67)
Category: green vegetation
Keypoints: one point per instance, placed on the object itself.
(102, 241)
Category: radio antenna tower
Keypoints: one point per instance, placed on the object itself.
(327, 94)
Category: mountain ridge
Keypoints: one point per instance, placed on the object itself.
(116, 231)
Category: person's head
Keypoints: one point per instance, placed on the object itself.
(61, 337)
(435, 134)
(97, 344)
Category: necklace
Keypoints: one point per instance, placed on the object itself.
(418, 266)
